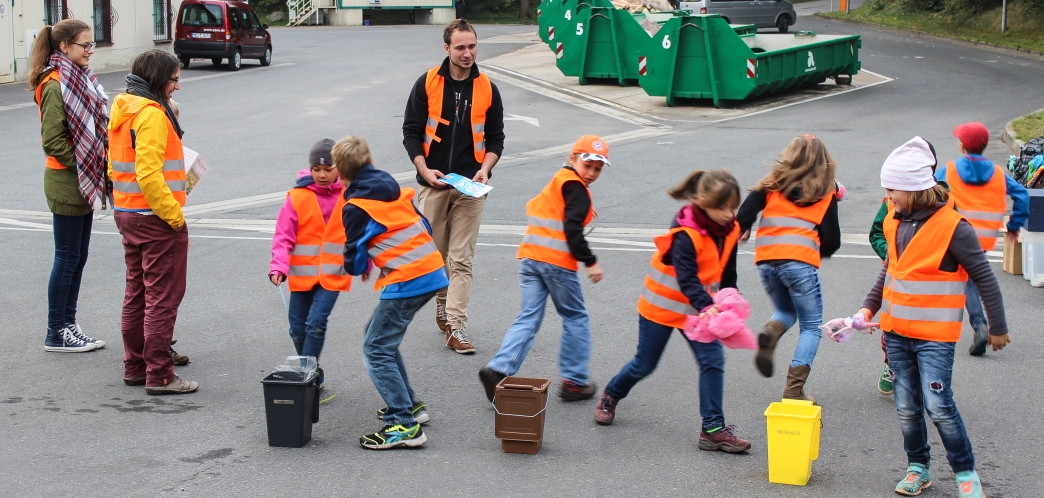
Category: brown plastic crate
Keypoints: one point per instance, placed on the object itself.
(520, 403)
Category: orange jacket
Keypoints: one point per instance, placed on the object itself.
(662, 300)
(481, 99)
(918, 300)
(406, 250)
(788, 231)
(318, 253)
(982, 205)
(545, 238)
(52, 162)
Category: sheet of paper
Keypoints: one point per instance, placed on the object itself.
(468, 187)
(195, 169)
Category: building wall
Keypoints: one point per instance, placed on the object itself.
(132, 33)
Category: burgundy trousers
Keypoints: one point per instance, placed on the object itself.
(157, 264)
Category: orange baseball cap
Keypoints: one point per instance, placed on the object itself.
(592, 148)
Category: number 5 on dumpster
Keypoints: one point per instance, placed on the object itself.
(579, 28)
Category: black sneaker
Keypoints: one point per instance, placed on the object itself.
(395, 436)
(572, 391)
(64, 341)
(490, 378)
(78, 332)
(419, 411)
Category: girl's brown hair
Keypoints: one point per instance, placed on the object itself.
(804, 168)
(927, 199)
(48, 40)
(715, 189)
(156, 67)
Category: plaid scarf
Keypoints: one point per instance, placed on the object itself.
(87, 112)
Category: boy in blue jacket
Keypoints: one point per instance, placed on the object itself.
(383, 228)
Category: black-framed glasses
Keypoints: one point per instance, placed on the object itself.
(87, 47)
(175, 80)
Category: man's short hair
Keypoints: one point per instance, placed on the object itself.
(350, 154)
(456, 25)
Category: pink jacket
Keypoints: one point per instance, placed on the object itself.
(286, 224)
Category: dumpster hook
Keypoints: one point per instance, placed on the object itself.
(691, 25)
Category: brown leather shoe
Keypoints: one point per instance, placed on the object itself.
(134, 381)
(457, 340)
(767, 340)
(440, 317)
(178, 386)
(796, 378)
(180, 360)
(572, 391)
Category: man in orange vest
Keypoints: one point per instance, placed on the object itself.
(454, 123)
(978, 188)
(383, 228)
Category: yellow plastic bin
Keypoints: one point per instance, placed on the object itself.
(793, 440)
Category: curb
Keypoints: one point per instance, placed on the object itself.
(1008, 137)
(993, 46)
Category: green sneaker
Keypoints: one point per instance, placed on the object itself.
(395, 436)
(419, 411)
(917, 479)
(886, 384)
(968, 484)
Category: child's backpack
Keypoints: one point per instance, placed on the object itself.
(1020, 167)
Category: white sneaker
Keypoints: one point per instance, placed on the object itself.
(78, 332)
(69, 343)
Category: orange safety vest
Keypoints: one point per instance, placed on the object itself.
(545, 238)
(126, 193)
(318, 254)
(481, 99)
(788, 231)
(662, 300)
(406, 251)
(982, 205)
(919, 300)
(53, 75)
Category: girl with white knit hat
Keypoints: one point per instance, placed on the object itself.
(920, 293)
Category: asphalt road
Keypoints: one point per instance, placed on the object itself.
(69, 425)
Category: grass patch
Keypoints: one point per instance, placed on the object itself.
(1029, 126)
(1025, 31)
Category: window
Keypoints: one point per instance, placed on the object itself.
(233, 18)
(257, 23)
(54, 11)
(161, 20)
(202, 15)
(245, 19)
(103, 21)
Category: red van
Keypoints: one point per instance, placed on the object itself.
(221, 29)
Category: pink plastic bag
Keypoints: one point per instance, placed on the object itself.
(840, 329)
(729, 326)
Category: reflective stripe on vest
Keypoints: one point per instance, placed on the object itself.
(406, 250)
(788, 231)
(481, 100)
(919, 300)
(545, 238)
(127, 193)
(982, 205)
(318, 254)
(51, 162)
(662, 300)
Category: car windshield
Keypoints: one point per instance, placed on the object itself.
(202, 15)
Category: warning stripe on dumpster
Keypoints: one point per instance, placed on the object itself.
(752, 68)
(641, 66)
(550, 32)
(558, 51)
(538, 12)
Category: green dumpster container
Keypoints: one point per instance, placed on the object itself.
(702, 57)
(547, 13)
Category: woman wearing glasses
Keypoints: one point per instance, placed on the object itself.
(73, 122)
(147, 168)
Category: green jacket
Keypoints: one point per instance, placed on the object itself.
(61, 186)
(877, 238)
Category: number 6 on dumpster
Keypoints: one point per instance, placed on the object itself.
(666, 42)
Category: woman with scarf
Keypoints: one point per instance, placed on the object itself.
(73, 121)
(694, 260)
(147, 169)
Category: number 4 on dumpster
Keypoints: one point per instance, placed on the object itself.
(568, 16)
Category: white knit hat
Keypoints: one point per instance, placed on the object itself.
(909, 167)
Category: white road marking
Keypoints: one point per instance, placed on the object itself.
(526, 119)
(17, 106)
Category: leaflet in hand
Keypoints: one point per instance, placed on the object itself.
(195, 169)
(468, 187)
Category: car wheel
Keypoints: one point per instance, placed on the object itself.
(185, 61)
(267, 59)
(783, 24)
(236, 61)
(216, 61)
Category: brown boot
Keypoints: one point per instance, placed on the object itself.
(440, 317)
(180, 360)
(796, 378)
(767, 340)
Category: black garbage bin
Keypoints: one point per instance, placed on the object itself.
(291, 407)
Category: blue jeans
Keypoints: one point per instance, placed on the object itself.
(72, 237)
(309, 311)
(538, 280)
(795, 292)
(973, 302)
(652, 339)
(923, 371)
(383, 360)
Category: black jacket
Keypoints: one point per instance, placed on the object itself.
(577, 205)
(682, 257)
(456, 152)
(829, 229)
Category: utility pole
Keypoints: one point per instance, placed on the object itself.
(1004, 16)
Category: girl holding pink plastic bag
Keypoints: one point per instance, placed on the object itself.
(692, 262)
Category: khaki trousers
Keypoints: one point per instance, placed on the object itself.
(455, 219)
